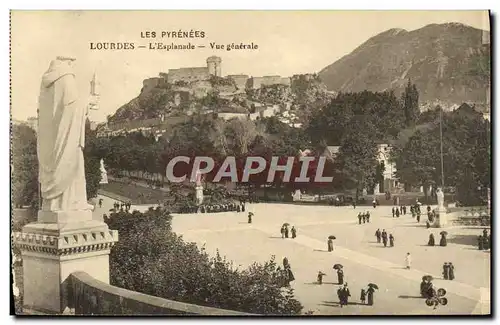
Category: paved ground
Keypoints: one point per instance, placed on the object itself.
(364, 260)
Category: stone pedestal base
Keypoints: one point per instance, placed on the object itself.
(52, 251)
(199, 194)
(442, 218)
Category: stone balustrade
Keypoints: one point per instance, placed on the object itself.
(93, 297)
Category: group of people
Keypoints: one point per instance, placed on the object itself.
(227, 207)
(119, 205)
(365, 217)
(448, 271)
(368, 293)
(397, 211)
(484, 240)
(285, 232)
(415, 211)
(443, 242)
(383, 237)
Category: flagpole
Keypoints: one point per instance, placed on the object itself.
(441, 141)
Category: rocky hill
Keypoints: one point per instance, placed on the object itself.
(222, 96)
(448, 62)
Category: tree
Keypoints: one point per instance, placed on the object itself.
(357, 158)
(92, 162)
(151, 259)
(24, 172)
(410, 103)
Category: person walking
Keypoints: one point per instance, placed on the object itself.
(446, 271)
(286, 231)
(397, 213)
(384, 237)
(330, 244)
(370, 292)
(294, 232)
(486, 244)
(451, 271)
(393, 212)
(320, 277)
(363, 296)
(391, 240)
(359, 217)
(480, 242)
(340, 276)
(378, 234)
(408, 261)
(368, 217)
(250, 217)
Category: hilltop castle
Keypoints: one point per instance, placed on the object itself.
(213, 68)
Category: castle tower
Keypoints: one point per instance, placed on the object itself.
(214, 66)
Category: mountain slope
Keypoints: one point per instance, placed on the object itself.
(447, 62)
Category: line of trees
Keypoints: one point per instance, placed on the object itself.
(356, 122)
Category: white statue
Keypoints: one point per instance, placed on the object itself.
(104, 174)
(440, 199)
(199, 188)
(61, 139)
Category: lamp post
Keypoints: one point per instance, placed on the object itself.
(441, 143)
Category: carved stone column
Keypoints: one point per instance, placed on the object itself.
(52, 251)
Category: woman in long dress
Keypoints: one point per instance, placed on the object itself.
(431, 241)
(340, 276)
(451, 271)
(443, 242)
(330, 244)
(370, 292)
(408, 260)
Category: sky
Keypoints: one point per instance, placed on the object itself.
(289, 42)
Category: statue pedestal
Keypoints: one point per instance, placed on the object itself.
(199, 194)
(442, 219)
(51, 251)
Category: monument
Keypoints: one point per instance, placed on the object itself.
(297, 196)
(199, 188)
(65, 238)
(441, 210)
(104, 174)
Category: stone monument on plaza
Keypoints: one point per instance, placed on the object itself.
(441, 210)
(65, 238)
(104, 173)
(199, 189)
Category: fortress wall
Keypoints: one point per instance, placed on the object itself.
(187, 74)
(240, 80)
(151, 83)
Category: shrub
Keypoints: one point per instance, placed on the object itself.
(152, 259)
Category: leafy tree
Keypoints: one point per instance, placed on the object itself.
(24, 164)
(410, 102)
(151, 259)
(357, 160)
(92, 162)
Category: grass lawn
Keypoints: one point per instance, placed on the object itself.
(136, 194)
